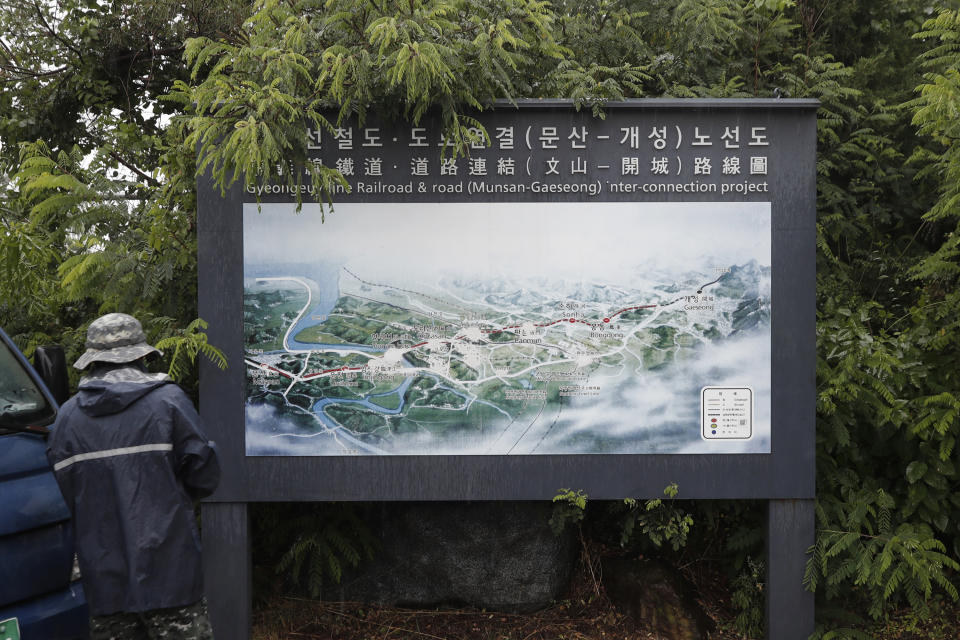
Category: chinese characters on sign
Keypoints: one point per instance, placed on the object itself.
(574, 155)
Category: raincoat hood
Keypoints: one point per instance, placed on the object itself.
(103, 399)
(108, 392)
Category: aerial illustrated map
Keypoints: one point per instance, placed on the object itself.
(507, 328)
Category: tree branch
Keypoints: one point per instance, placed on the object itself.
(143, 176)
(53, 33)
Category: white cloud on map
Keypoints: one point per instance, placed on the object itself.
(608, 241)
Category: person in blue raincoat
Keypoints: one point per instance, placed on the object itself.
(130, 455)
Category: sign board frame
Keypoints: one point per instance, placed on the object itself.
(785, 476)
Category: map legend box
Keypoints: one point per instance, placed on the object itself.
(726, 413)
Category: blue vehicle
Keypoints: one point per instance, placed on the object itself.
(39, 599)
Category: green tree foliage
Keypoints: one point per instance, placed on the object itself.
(88, 73)
(102, 209)
(309, 545)
(657, 521)
(97, 202)
(293, 62)
(887, 333)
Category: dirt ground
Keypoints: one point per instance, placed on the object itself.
(586, 613)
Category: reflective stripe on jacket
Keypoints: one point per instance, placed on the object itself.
(130, 458)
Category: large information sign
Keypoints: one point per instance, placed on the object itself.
(608, 304)
(571, 286)
(584, 301)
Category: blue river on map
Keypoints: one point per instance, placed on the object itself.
(326, 277)
(401, 390)
(320, 405)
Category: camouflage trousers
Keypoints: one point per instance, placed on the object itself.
(177, 623)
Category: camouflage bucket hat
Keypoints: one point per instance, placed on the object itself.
(117, 338)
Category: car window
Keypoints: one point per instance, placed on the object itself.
(22, 403)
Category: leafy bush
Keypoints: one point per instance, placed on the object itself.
(309, 544)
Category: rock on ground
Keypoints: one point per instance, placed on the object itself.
(499, 556)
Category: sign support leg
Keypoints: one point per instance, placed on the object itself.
(790, 532)
(227, 567)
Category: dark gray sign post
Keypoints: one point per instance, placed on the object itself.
(612, 305)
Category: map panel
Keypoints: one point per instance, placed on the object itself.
(506, 328)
